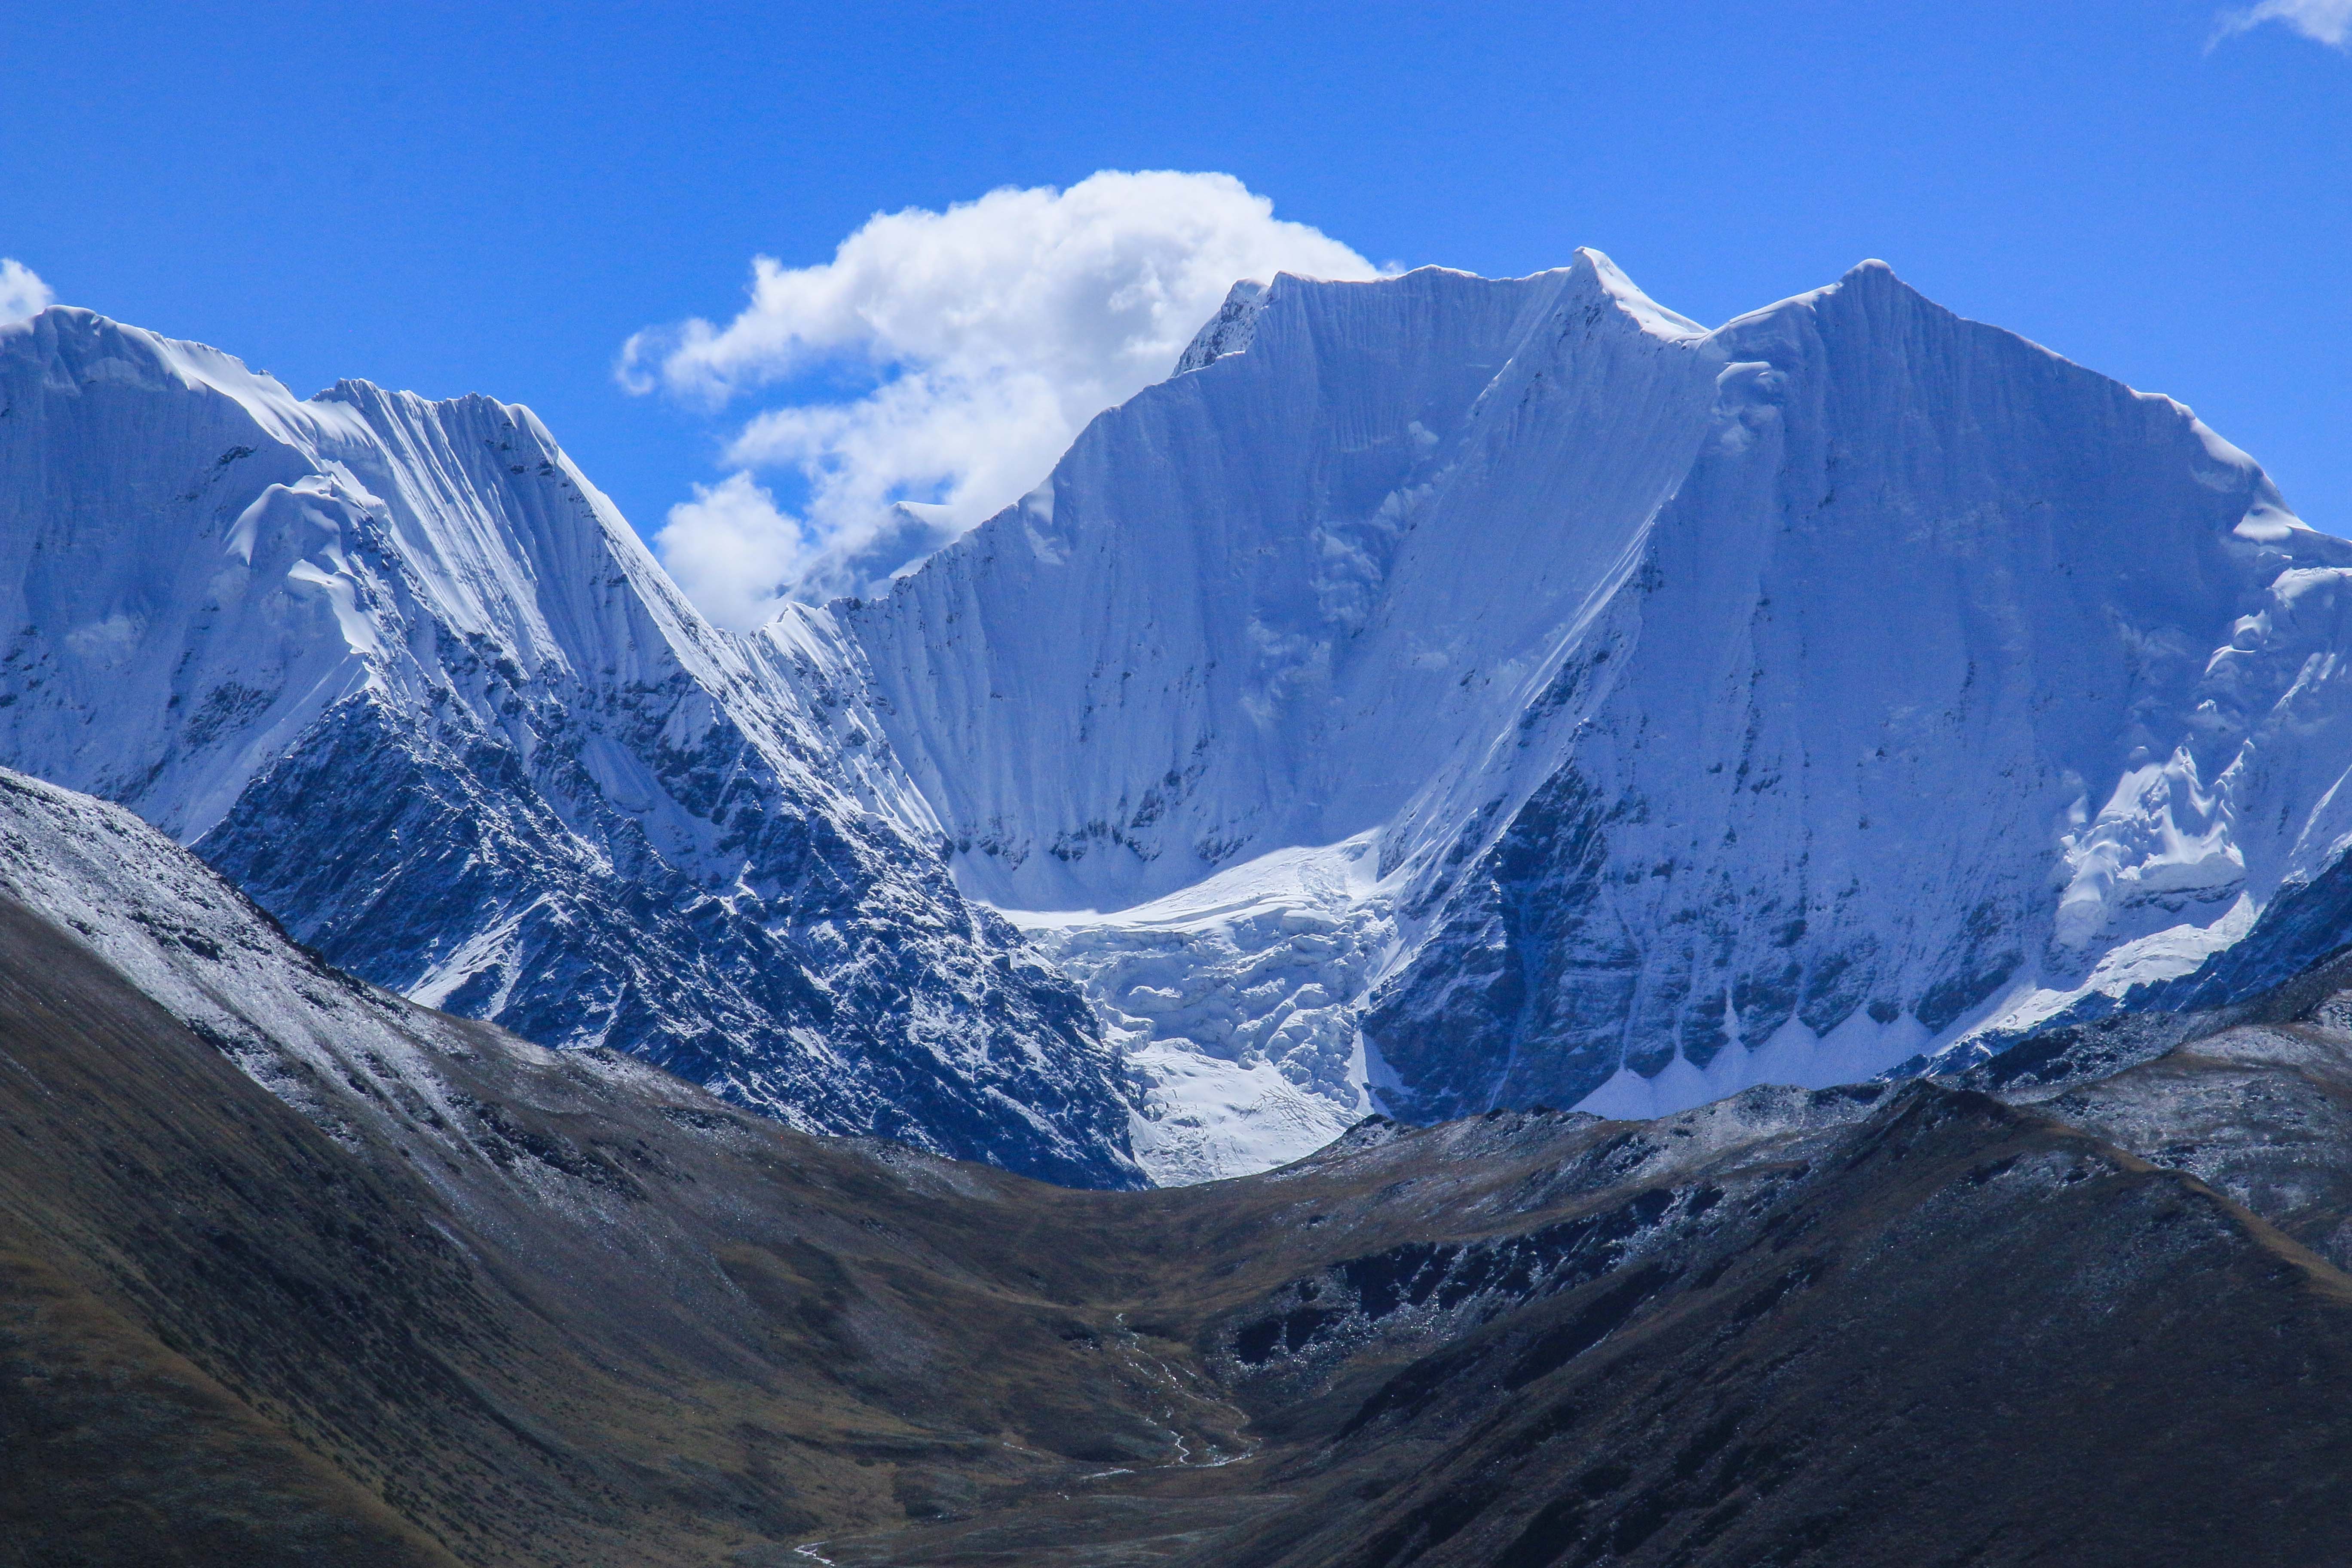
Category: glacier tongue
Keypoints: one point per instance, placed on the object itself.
(1235, 1002)
(401, 672)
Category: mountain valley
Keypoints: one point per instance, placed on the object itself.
(997, 787)
(297, 1271)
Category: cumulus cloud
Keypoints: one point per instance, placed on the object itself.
(22, 293)
(2324, 21)
(728, 546)
(976, 343)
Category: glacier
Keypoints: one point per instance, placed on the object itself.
(1440, 694)
(1234, 1003)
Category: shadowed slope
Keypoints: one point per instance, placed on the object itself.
(139, 1179)
(592, 1314)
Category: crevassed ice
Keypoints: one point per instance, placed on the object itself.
(1235, 1002)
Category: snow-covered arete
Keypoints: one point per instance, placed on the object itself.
(396, 668)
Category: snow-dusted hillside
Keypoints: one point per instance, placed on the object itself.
(1768, 703)
(402, 673)
(355, 1061)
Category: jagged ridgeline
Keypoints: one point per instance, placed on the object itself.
(1506, 692)
(1441, 693)
(402, 674)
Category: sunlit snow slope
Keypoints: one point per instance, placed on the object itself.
(397, 669)
(1774, 703)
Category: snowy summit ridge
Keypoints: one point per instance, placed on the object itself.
(1771, 703)
(1441, 693)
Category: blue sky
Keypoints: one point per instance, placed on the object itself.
(495, 199)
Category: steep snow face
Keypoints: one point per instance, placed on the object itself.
(1923, 705)
(1772, 703)
(1267, 601)
(402, 674)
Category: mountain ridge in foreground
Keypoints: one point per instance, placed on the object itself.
(295, 1271)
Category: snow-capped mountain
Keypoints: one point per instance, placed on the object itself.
(1440, 693)
(1668, 709)
(401, 672)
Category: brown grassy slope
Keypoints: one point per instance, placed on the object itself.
(1950, 1332)
(1970, 1336)
(607, 1321)
(624, 1324)
(131, 1173)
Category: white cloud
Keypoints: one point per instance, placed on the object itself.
(984, 338)
(22, 293)
(728, 545)
(2324, 21)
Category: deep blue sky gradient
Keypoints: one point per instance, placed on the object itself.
(491, 198)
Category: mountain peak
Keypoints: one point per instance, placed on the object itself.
(1653, 317)
(1524, 589)
(397, 667)
(1441, 693)
(1226, 332)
